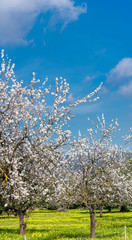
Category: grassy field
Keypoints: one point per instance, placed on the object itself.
(73, 224)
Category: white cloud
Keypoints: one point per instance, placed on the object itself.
(70, 98)
(17, 17)
(121, 71)
(126, 90)
(101, 51)
(87, 108)
(88, 78)
(103, 90)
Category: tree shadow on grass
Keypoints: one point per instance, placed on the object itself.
(9, 230)
(43, 211)
(77, 217)
(116, 217)
(124, 217)
(7, 217)
(108, 235)
(37, 230)
(86, 212)
(69, 235)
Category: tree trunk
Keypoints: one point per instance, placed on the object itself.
(92, 220)
(109, 209)
(124, 208)
(22, 223)
(101, 210)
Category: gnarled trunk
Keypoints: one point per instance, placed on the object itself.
(92, 220)
(109, 209)
(22, 223)
(101, 210)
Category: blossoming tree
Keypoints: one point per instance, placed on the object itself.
(128, 138)
(32, 129)
(98, 166)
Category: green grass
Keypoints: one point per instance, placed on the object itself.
(73, 224)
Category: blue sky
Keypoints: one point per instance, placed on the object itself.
(86, 42)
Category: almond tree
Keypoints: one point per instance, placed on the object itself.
(33, 126)
(61, 196)
(94, 166)
(120, 178)
(128, 162)
(128, 138)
